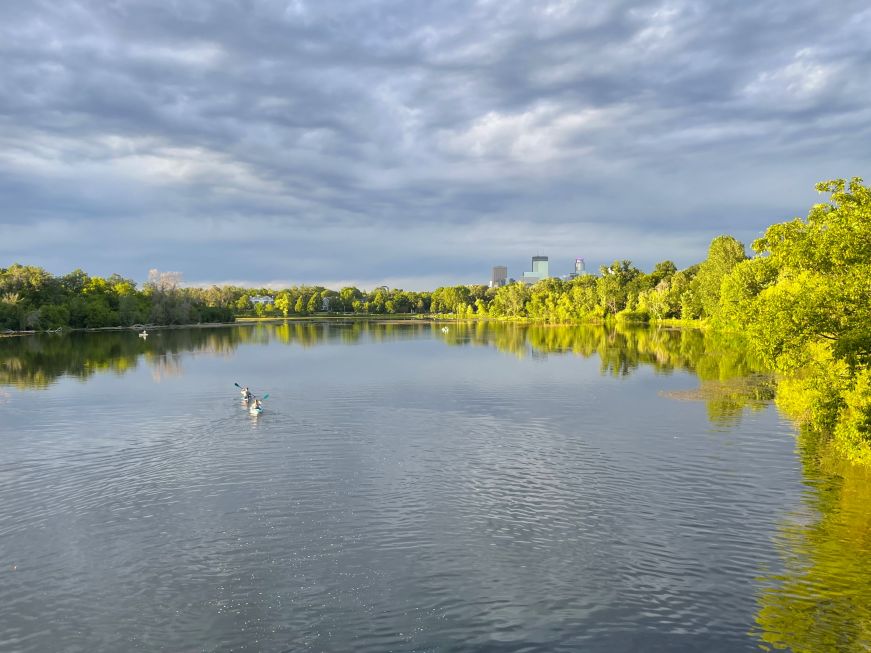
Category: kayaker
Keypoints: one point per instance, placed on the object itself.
(246, 394)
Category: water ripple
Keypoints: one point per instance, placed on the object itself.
(407, 509)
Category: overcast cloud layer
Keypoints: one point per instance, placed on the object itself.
(416, 143)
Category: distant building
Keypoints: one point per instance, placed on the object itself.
(262, 299)
(580, 270)
(540, 270)
(499, 276)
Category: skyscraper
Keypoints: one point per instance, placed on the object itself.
(499, 276)
(540, 270)
(579, 271)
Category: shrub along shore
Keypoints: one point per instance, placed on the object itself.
(801, 302)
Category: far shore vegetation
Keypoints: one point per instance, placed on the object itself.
(801, 304)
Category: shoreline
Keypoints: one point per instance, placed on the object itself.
(242, 321)
(384, 319)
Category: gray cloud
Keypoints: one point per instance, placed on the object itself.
(412, 141)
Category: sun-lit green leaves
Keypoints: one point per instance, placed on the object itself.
(804, 304)
(723, 255)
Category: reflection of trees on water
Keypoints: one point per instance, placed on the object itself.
(164, 366)
(309, 334)
(821, 599)
(38, 361)
(727, 375)
(730, 381)
(727, 399)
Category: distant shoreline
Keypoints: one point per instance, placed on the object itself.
(351, 317)
(242, 321)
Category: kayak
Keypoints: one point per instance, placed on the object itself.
(254, 410)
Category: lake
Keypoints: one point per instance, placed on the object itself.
(494, 487)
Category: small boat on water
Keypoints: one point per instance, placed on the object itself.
(248, 399)
(257, 407)
(144, 334)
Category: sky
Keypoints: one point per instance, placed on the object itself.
(416, 143)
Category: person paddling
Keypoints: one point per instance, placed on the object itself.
(246, 394)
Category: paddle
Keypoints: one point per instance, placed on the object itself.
(266, 396)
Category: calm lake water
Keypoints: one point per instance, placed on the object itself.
(492, 488)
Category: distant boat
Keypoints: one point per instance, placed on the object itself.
(144, 334)
(444, 329)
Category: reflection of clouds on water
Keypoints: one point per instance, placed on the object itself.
(439, 471)
(4, 396)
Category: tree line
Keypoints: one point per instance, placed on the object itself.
(33, 299)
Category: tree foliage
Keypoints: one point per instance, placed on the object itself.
(804, 304)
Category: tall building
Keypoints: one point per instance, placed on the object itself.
(499, 276)
(540, 270)
(579, 271)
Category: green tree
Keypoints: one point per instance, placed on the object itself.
(314, 303)
(510, 300)
(282, 303)
(723, 255)
(663, 271)
(348, 296)
(243, 303)
(613, 285)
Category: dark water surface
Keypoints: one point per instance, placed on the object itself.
(486, 489)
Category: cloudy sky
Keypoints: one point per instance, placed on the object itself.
(416, 143)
